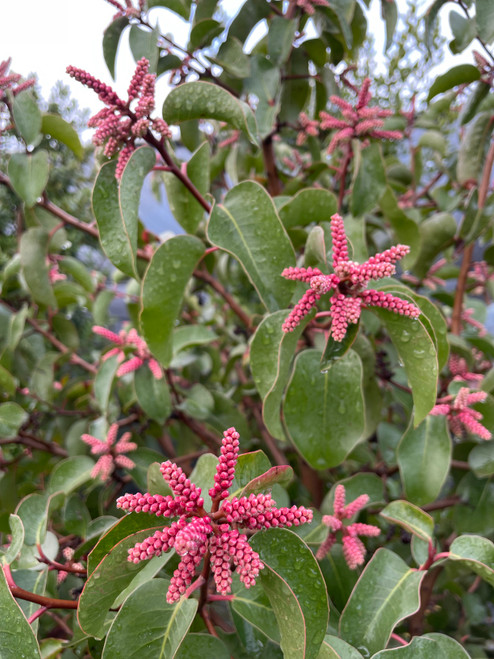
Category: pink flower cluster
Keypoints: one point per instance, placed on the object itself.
(348, 282)
(198, 533)
(68, 554)
(111, 455)
(309, 6)
(353, 548)
(129, 339)
(460, 417)
(11, 81)
(459, 369)
(128, 10)
(118, 125)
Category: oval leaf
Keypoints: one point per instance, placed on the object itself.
(28, 174)
(27, 116)
(409, 517)
(477, 553)
(17, 638)
(60, 130)
(429, 646)
(458, 75)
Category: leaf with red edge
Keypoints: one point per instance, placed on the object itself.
(281, 474)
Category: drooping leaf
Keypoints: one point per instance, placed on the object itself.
(369, 183)
(298, 596)
(484, 13)
(146, 608)
(393, 588)
(473, 147)
(188, 336)
(325, 398)
(410, 517)
(424, 455)
(247, 226)
(390, 14)
(27, 116)
(477, 553)
(13, 624)
(144, 43)
(185, 208)
(59, 129)
(163, 288)
(458, 75)
(103, 381)
(28, 173)
(203, 100)
(430, 19)
(111, 39)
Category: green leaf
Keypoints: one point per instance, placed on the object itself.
(280, 39)
(477, 95)
(428, 646)
(196, 646)
(249, 466)
(484, 14)
(146, 608)
(34, 511)
(163, 288)
(103, 381)
(116, 241)
(12, 416)
(33, 251)
(393, 589)
(110, 577)
(204, 100)
(405, 229)
(191, 335)
(481, 460)
(180, 7)
(27, 116)
(16, 542)
(473, 148)
(111, 39)
(293, 582)
(253, 605)
(356, 485)
(476, 553)
(203, 33)
(335, 350)
(60, 130)
(232, 59)
(430, 19)
(281, 474)
(325, 398)
(152, 395)
(185, 208)
(459, 75)
(144, 43)
(271, 353)
(17, 638)
(247, 226)
(424, 455)
(369, 181)
(312, 205)
(7, 382)
(437, 232)
(338, 649)
(390, 14)
(409, 517)
(28, 174)
(69, 474)
(464, 31)
(418, 354)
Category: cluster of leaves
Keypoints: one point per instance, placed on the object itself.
(396, 408)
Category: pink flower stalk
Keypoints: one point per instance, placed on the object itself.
(11, 81)
(128, 10)
(197, 533)
(68, 554)
(459, 369)
(359, 121)
(353, 548)
(121, 123)
(348, 283)
(467, 317)
(461, 418)
(129, 339)
(308, 127)
(309, 6)
(111, 455)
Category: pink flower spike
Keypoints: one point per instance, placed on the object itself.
(225, 470)
(155, 369)
(128, 367)
(461, 418)
(107, 334)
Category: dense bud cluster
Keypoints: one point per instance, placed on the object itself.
(196, 531)
(348, 282)
(461, 418)
(129, 340)
(111, 455)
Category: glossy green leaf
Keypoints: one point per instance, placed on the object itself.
(204, 100)
(428, 646)
(110, 577)
(340, 649)
(28, 174)
(424, 455)
(390, 15)
(163, 288)
(293, 582)
(481, 459)
(369, 182)
(271, 353)
(34, 511)
(17, 638)
(232, 59)
(165, 624)
(7, 382)
(180, 7)
(43, 375)
(103, 381)
(409, 517)
(332, 400)
(249, 15)
(27, 116)
(253, 605)
(117, 243)
(12, 416)
(477, 553)
(406, 230)
(152, 395)
(315, 248)
(203, 33)
(191, 335)
(280, 39)
(16, 542)
(144, 43)
(185, 208)
(59, 129)
(281, 474)
(249, 466)
(436, 233)
(312, 205)
(477, 95)
(111, 39)
(430, 19)
(247, 226)
(484, 13)
(418, 354)
(197, 646)
(69, 474)
(393, 589)
(464, 31)
(458, 75)
(335, 350)
(473, 148)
